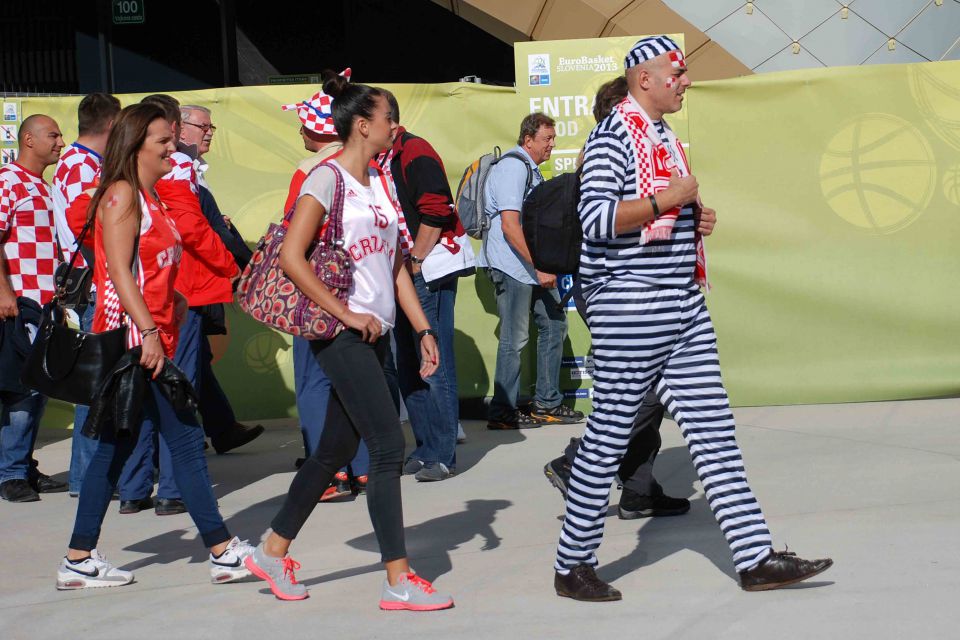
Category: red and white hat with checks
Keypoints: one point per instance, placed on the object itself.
(316, 114)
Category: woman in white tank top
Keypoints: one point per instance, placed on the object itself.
(361, 406)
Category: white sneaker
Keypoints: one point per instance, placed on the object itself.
(95, 571)
(230, 566)
(461, 435)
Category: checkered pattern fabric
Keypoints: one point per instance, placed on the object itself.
(77, 171)
(184, 170)
(650, 48)
(109, 302)
(666, 153)
(384, 161)
(406, 238)
(316, 114)
(27, 233)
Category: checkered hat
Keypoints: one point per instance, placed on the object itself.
(316, 114)
(650, 48)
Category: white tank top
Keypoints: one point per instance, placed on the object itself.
(369, 236)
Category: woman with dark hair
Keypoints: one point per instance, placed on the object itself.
(311, 384)
(360, 406)
(138, 250)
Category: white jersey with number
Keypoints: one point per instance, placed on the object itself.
(369, 236)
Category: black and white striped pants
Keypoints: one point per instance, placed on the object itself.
(640, 334)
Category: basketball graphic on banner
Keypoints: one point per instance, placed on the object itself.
(878, 172)
(951, 184)
(265, 352)
(938, 100)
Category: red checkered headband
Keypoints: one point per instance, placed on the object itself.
(316, 114)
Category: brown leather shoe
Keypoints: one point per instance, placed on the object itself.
(583, 584)
(779, 569)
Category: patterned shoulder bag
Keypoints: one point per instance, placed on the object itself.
(270, 297)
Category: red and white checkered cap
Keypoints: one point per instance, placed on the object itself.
(316, 114)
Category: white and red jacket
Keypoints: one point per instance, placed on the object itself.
(207, 266)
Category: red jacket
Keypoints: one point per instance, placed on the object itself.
(207, 267)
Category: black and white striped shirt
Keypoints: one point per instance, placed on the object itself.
(609, 176)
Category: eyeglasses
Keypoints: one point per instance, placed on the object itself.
(204, 127)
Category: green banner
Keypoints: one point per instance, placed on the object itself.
(837, 190)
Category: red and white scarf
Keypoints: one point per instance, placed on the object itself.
(654, 162)
(406, 238)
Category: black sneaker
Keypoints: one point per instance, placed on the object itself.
(42, 483)
(633, 505)
(518, 420)
(558, 473)
(560, 414)
(18, 491)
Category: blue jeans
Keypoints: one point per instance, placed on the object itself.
(313, 399)
(185, 437)
(136, 481)
(82, 448)
(19, 425)
(514, 302)
(432, 404)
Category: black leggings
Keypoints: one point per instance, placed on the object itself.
(359, 407)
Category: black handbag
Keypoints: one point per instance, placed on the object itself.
(67, 364)
(72, 282)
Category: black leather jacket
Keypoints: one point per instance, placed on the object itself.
(119, 404)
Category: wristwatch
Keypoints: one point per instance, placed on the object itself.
(415, 260)
(428, 332)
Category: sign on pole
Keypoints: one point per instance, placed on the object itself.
(128, 11)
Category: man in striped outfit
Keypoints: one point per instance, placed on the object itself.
(641, 268)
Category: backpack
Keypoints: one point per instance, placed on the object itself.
(551, 224)
(471, 202)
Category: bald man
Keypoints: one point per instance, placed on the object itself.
(28, 259)
(642, 269)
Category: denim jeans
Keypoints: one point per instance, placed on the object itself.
(514, 303)
(313, 398)
(136, 481)
(82, 448)
(19, 425)
(189, 465)
(432, 404)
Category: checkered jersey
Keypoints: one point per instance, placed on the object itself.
(183, 170)
(76, 172)
(26, 233)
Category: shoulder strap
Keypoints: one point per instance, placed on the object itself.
(333, 227)
(514, 154)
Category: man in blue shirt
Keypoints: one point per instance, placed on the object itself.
(519, 287)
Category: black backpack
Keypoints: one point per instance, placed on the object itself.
(551, 224)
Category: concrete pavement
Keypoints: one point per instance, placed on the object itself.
(875, 486)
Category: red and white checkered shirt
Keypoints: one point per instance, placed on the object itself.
(26, 233)
(184, 170)
(77, 171)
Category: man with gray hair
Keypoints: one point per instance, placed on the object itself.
(219, 421)
(642, 267)
(520, 288)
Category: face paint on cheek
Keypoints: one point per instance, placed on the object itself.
(671, 82)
